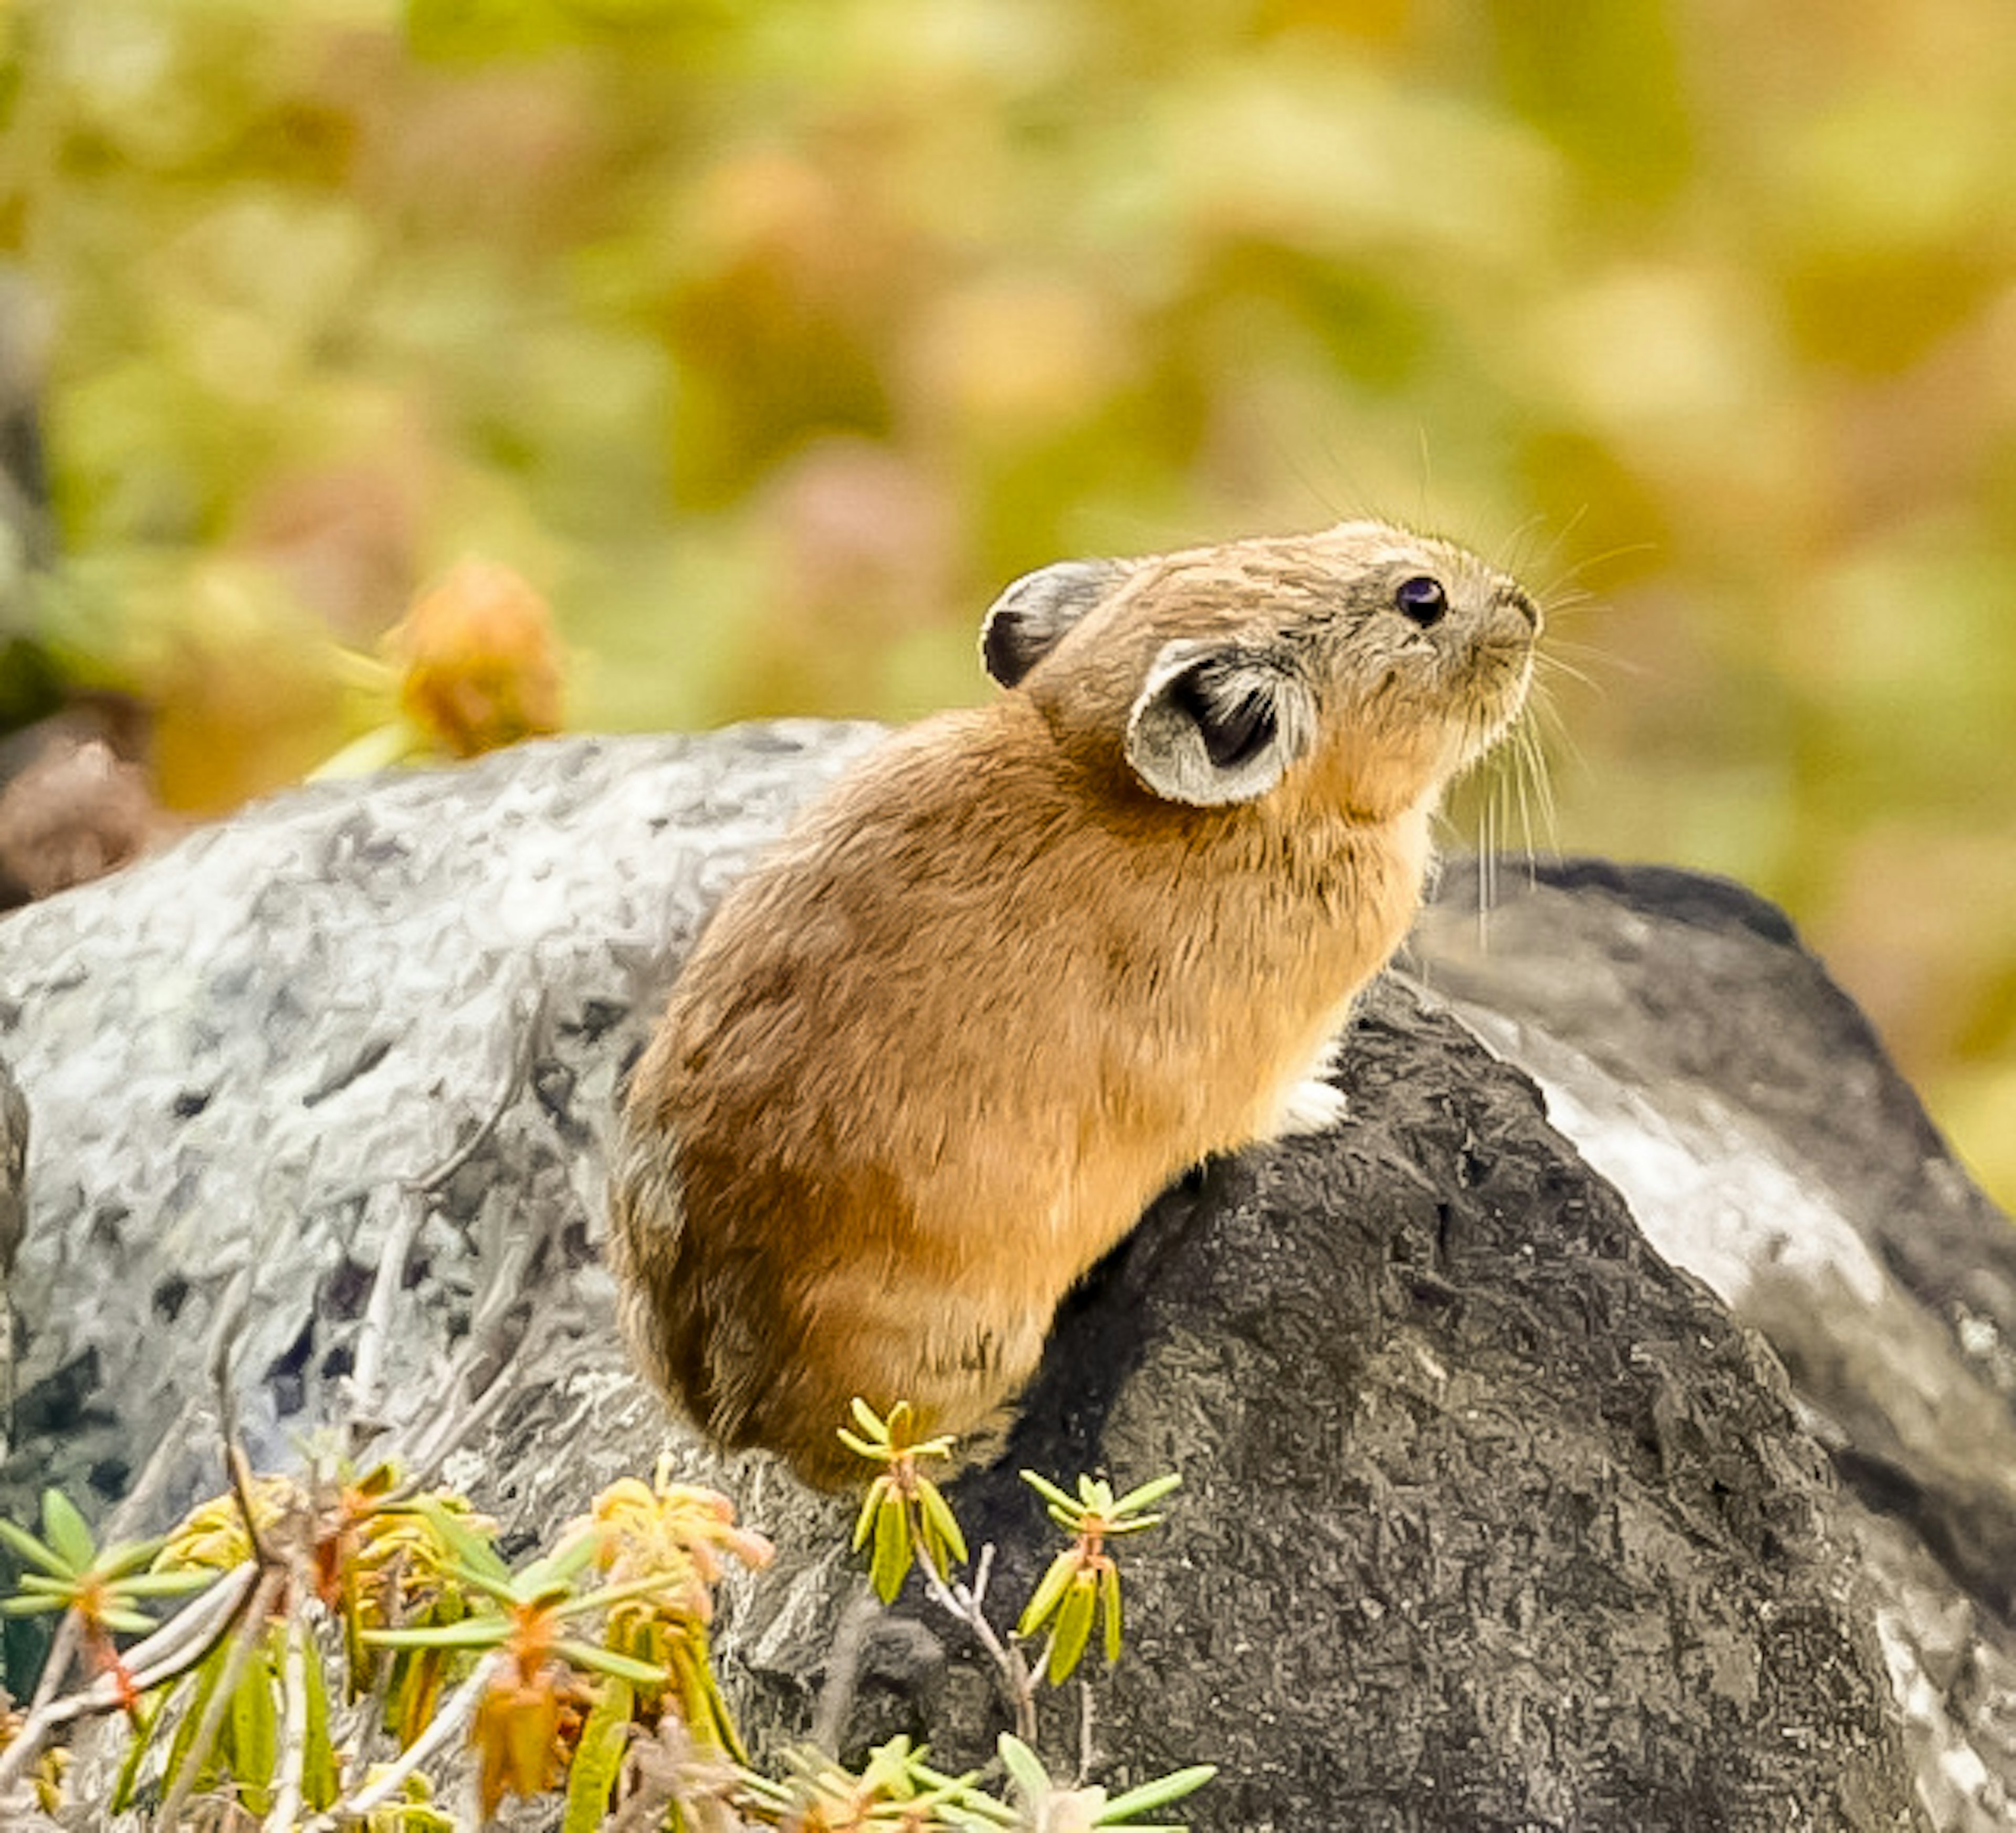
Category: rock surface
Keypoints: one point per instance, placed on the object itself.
(1491, 1518)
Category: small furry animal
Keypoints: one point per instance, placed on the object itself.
(1029, 962)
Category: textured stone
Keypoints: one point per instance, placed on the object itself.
(1490, 1518)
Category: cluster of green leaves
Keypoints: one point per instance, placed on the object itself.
(904, 1512)
(904, 1519)
(559, 1660)
(897, 1787)
(556, 1669)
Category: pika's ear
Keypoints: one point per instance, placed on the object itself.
(1028, 620)
(1218, 723)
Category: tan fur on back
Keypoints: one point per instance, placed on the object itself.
(934, 1057)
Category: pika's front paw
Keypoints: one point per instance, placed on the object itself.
(1311, 1107)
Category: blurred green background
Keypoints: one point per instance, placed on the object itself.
(768, 338)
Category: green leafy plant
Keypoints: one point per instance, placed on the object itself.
(905, 1513)
(1082, 1585)
(586, 1672)
(67, 1571)
(1057, 1810)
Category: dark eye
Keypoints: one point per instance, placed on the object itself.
(1423, 600)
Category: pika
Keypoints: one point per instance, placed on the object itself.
(1029, 962)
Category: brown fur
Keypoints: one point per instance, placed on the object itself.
(932, 1060)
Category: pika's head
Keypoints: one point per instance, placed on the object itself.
(1358, 669)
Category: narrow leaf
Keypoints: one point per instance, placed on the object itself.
(1109, 1594)
(865, 1418)
(255, 1741)
(1074, 1628)
(1049, 1591)
(1050, 1493)
(197, 1705)
(1148, 1493)
(1023, 1770)
(1158, 1793)
(65, 1529)
(597, 1756)
(608, 1660)
(319, 1780)
(167, 1584)
(869, 1503)
(943, 1524)
(26, 1548)
(128, 1556)
(485, 1631)
(890, 1561)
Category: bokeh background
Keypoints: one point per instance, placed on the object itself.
(764, 340)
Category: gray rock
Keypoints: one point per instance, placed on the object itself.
(14, 1219)
(1491, 1518)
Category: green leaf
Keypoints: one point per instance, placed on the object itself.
(864, 1521)
(1149, 1493)
(1073, 1629)
(941, 1527)
(30, 1604)
(558, 1570)
(320, 1781)
(1023, 1770)
(608, 1660)
(1049, 1592)
(1051, 1493)
(865, 1417)
(1158, 1793)
(861, 1448)
(137, 1746)
(255, 1743)
(486, 1631)
(128, 1623)
(470, 1549)
(27, 1547)
(128, 1556)
(599, 1756)
(207, 1674)
(65, 1529)
(1109, 1594)
(890, 1561)
(166, 1584)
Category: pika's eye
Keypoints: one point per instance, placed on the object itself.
(1422, 600)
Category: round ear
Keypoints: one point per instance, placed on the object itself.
(1217, 723)
(1028, 620)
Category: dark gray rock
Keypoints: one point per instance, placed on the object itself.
(1490, 1518)
(1701, 1058)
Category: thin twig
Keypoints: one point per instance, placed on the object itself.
(371, 1723)
(294, 1726)
(1088, 1752)
(271, 1582)
(456, 1711)
(966, 1602)
(371, 1333)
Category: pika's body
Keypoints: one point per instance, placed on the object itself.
(1028, 963)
